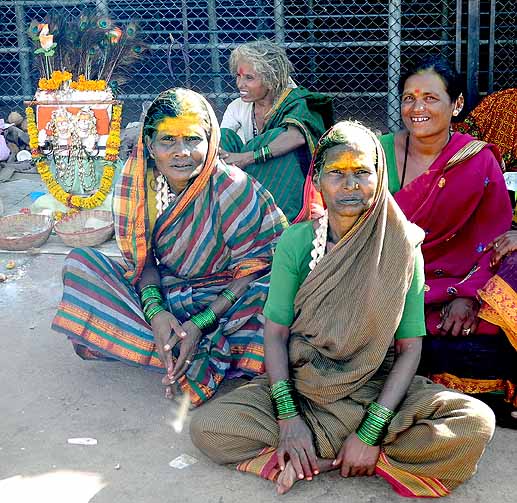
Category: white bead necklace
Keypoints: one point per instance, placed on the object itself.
(164, 195)
(320, 241)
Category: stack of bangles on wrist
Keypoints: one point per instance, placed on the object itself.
(375, 423)
(206, 320)
(283, 400)
(262, 154)
(151, 299)
(229, 296)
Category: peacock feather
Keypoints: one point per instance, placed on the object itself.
(90, 45)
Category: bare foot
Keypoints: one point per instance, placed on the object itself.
(286, 479)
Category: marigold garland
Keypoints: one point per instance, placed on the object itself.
(55, 81)
(113, 141)
(54, 188)
(88, 85)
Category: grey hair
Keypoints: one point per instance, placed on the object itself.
(351, 134)
(269, 61)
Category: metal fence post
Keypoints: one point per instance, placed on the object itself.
(186, 48)
(102, 7)
(279, 22)
(491, 47)
(473, 31)
(214, 51)
(23, 46)
(459, 4)
(394, 40)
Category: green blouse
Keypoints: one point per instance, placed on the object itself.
(291, 267)
(388, 144)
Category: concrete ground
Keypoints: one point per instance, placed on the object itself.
(49, 395)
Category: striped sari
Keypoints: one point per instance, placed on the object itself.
(224, 226)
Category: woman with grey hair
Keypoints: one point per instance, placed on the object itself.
(271, 129)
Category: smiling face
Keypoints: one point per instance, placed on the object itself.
(250, 84)
(179, 148)
(348, 180)
(426, 107)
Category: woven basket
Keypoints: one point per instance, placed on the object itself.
(21, 232)
(73, 231)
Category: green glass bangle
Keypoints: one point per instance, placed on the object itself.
(150, 301)
(229, 296)
(256, 156)
(266, 153)
(381, 411)
(205, 320)
(283, 401)
(149, 288)
(149, 315)
(371, 430)
(150, 293)
(151, 305)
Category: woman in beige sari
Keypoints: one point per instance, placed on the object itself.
(344, 325)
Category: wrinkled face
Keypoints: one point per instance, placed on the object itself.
(348, 180)
(179, 148)
(250, 84)
(426, 107)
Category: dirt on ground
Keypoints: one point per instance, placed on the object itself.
(49, 396)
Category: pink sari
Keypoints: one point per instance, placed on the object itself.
(461, 209)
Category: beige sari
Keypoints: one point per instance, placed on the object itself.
(340, 352)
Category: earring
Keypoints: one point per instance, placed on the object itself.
(356, 186)
(455, 113)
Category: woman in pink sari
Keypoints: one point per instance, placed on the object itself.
(452, 186)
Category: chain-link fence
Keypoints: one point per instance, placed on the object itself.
(354, 50)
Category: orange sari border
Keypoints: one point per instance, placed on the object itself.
(408, 484)
(475, 386)
(500, 306)
(265, 465)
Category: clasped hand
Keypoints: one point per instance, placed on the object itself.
(168, 332)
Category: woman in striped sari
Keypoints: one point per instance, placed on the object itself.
(197, 238)
(343, 335)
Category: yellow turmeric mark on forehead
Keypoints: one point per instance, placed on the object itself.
(344, 160)
(184, 125)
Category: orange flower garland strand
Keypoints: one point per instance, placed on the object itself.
(113, 141)
(54, 188)
(88, 85)
(55, 81)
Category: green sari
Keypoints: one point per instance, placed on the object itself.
(285, 176)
